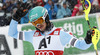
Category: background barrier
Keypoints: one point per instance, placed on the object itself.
(77, 25)
(9, 45)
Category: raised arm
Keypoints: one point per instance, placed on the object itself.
(13, 32)
(22, 11)
(68, 38)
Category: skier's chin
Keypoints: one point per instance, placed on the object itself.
(42, 29)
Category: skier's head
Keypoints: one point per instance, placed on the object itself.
(39, 17)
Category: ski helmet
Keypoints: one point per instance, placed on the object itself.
(37, 12)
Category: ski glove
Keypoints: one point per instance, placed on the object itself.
(22, 11)
(88, 38)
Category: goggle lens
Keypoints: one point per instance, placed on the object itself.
(38, 21)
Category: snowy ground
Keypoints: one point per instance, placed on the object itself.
(90, 53)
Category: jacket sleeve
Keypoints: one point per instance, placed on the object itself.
(22, 35)
(68, 38)
(13, 32)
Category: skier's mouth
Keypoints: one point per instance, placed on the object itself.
(41, 27)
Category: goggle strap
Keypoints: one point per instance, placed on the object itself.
(45, 14)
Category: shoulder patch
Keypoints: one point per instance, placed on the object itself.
(56, 32)
(37, 33)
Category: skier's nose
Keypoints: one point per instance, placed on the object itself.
(38, 25)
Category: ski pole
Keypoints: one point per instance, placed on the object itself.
(96, 35)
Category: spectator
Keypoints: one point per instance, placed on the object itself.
(9, 6)
(71, 4)
(24, 1)
(13, 2)
(95, 2)
(52, 9)
(55, 1)
(64, 11)
(34, 3)
(18, 4)
(1, 5)
(40, 3)
(95, 9)
(4, 8)
(99, 2)
(3, 1)
(3, 20)
(45, 1)
(78, 9)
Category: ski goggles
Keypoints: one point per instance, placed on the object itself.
(38, 21)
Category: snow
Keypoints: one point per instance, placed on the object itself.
(90, 53)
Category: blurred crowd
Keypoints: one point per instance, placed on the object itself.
(57, 9)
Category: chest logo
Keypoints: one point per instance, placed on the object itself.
(43, 43)
(56, 32)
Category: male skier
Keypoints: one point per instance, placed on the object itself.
(46, 39)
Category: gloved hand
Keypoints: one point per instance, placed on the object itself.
(88, 38)
(22, 11)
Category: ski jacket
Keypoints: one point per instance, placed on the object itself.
(50, 42)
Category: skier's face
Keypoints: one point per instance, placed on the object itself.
(41, 27)
(40, 24)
